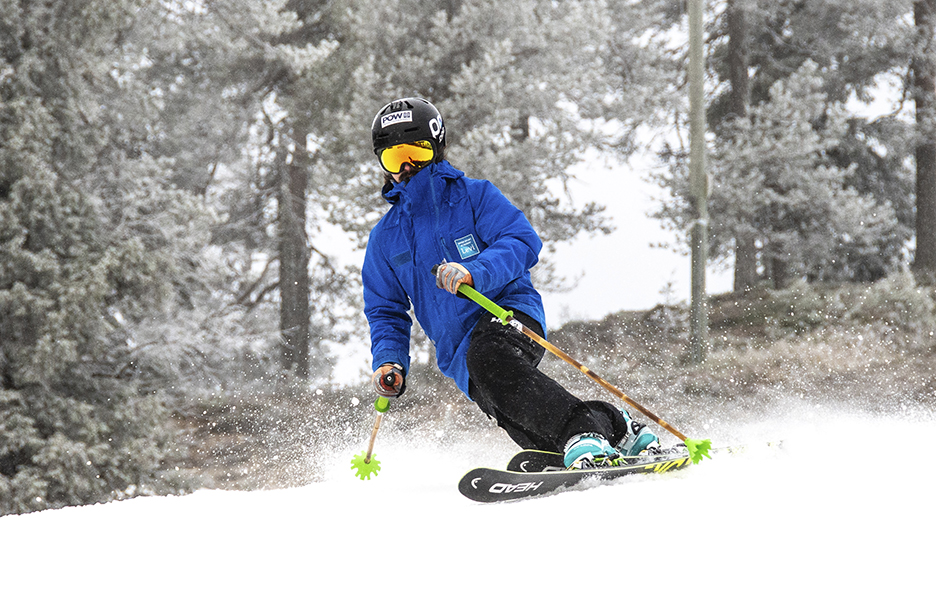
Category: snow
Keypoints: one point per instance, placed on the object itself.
(842, 510)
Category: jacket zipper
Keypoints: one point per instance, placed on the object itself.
(435, 210)
(445, 253)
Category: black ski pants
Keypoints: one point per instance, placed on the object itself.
(537, 412)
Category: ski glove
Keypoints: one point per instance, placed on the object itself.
(451, 275)
(389, 380)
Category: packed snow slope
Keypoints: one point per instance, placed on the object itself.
(844, 509)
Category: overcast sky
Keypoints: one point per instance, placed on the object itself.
(623, 270)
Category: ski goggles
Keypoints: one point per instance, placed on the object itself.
(418, 154)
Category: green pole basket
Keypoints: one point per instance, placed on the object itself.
(366, 463)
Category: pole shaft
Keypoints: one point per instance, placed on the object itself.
(596, 378)
(373, 436)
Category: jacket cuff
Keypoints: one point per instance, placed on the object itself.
(392, 358)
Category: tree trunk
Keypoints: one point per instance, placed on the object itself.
(924, 95)
(739, 96)
(745, 269)
(779, 272)
(295, 309)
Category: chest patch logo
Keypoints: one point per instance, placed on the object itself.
(467, 246)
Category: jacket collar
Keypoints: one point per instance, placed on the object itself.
(424, 183)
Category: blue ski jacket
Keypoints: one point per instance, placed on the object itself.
(441, 215)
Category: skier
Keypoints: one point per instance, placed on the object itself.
(438, 216)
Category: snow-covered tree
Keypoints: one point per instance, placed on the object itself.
(775, 183)
(95, 241)
(857, 48)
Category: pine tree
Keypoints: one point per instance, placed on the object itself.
(855, 47)
(97, 245)
(776, 183)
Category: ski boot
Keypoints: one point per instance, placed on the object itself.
(639, 439)
(590, 451)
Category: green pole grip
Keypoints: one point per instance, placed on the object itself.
(497, 311)
(469, 292)
(381, 404)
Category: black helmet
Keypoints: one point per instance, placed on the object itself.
(408, 120)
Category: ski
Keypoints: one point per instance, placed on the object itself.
(494, 485)
(531, 461)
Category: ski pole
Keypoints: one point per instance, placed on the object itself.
(366, 463)
(697, 448)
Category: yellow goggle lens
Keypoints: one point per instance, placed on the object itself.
(415, 153)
